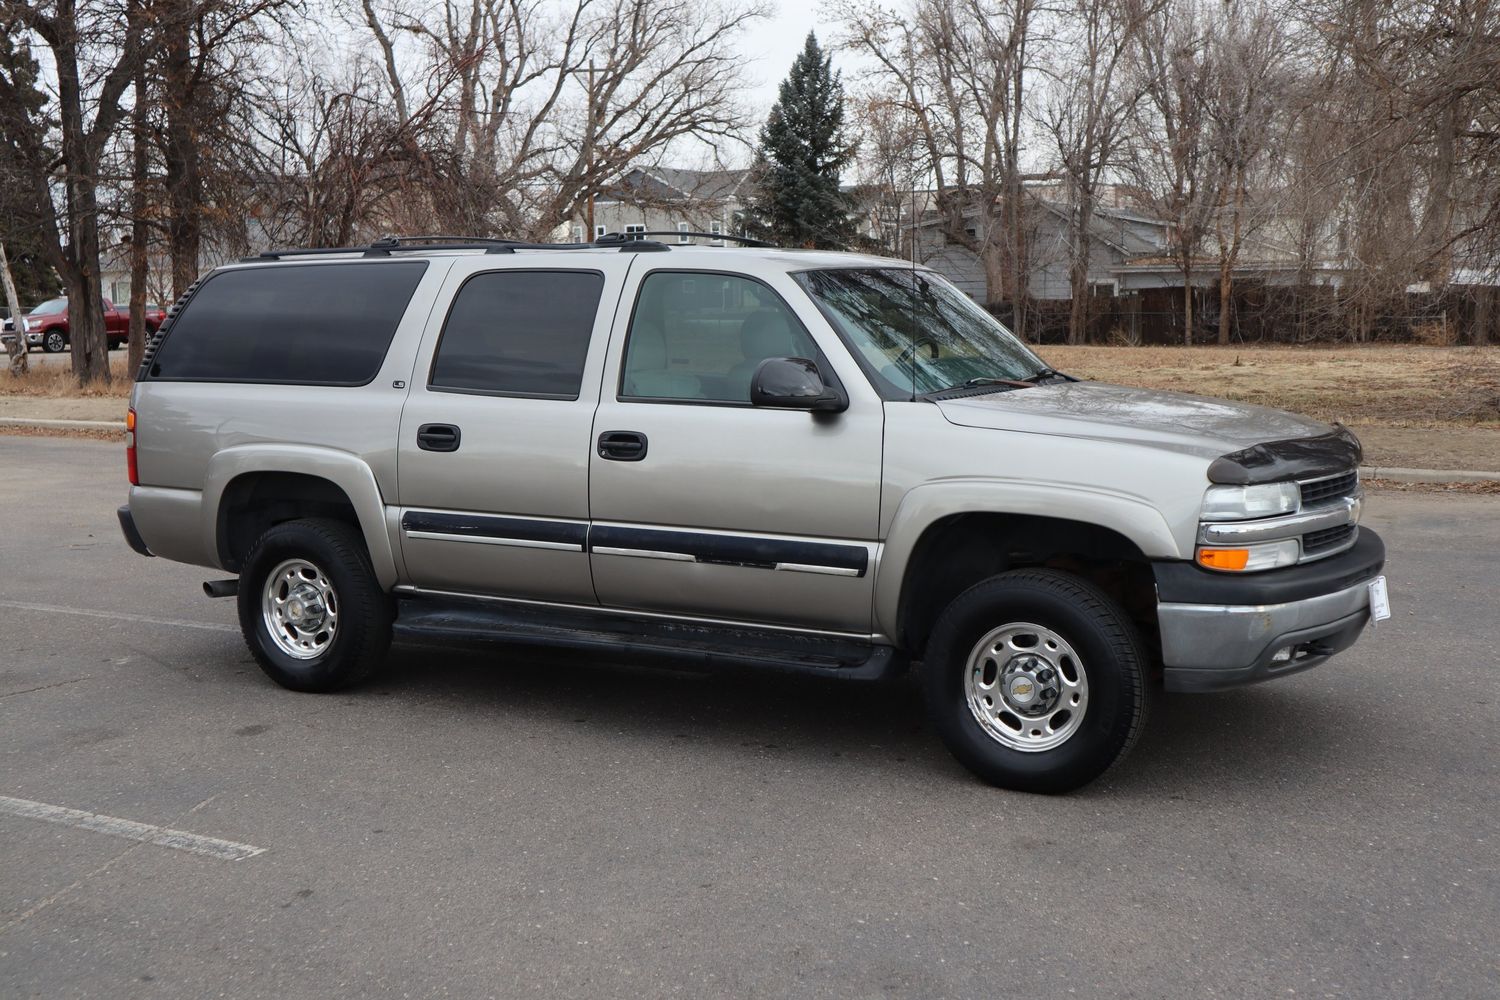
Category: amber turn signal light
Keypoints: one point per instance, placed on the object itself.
(1230, 559)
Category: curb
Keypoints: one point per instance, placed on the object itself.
(1396, 474)
(1428, 475)
(64, 425)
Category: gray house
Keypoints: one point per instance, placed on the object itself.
(1119, 236)
(665, 199)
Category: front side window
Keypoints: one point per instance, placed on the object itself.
(519, 333)
(310, 324)
(698, 336)
(914, 333)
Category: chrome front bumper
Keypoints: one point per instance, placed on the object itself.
(1211, 646)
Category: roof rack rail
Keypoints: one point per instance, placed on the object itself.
(742, 240)
(384, 246)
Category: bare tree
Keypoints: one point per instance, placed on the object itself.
(959, 69)
(1085, 119)
(95, 47)
(1168, 150)
(538, 111)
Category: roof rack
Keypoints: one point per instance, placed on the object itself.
(387, 245)
(742, 240)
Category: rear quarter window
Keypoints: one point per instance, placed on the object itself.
(309, 324)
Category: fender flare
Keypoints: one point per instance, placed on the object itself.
(346, 471)
(929, 503)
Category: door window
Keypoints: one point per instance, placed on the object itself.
(700, 336)
(518, 333)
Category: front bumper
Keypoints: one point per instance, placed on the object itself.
(1220, 631)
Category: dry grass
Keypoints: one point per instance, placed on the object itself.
(56, 381)
(1395, 386)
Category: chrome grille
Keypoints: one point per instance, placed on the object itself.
(1318, 491)
(1315, 542)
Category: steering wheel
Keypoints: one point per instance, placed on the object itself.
(910, 352)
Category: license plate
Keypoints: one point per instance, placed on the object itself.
(1380, 600)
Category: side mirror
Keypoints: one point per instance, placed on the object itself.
(794, 384)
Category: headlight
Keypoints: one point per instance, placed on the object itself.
(1249, 558)
(1241, 503)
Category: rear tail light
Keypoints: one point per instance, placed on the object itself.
(135, 475)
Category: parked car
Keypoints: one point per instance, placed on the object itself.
(47, 325)
(819, 463)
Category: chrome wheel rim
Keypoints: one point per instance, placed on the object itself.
(1026, 687)
(300, 608)
(54, 342)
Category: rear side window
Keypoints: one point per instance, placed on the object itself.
(313, 324)
(519, 333)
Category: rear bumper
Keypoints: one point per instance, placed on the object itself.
(1231, 636)
(132, 534)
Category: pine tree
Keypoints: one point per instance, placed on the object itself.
(795, 199)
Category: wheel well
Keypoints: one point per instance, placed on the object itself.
(256, 501)
(958, 551)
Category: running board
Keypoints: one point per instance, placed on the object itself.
(642, 640)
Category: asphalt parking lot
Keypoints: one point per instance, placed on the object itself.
(476, 826)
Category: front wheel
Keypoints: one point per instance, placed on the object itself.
(53, 342)
(1036, 681)
(311, 610)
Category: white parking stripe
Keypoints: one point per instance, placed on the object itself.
(113, 616)
(178, 840)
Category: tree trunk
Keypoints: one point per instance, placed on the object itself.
(1226, 294)
(81, 271)
(182, 168)
(19, 363)
(1187, 307)
(139, 234)
(1078, 271)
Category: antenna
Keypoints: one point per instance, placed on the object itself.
(911, 69)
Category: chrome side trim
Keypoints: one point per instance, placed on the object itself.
(879, 638)
(519, 543)
(609, 550)
(825, 570)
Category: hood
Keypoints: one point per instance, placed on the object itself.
(1196, 425)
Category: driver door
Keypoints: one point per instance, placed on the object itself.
(703, 504)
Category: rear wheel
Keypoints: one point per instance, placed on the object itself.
(1035, 680)
(53, 342)
(311, 610)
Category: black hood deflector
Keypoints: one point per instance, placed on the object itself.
(1277, 461)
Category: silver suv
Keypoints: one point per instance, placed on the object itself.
(733, 456)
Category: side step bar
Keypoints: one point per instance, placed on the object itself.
(641, 640)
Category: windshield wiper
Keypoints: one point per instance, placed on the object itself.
(982, 382)
(1047, 373)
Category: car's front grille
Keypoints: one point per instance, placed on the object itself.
(1315, 542)
(1319, 491)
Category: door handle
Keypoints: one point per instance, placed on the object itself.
(622, 446)
(438, 437)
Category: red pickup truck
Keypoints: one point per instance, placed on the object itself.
(47, 324)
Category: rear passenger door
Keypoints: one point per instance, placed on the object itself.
(495, 437)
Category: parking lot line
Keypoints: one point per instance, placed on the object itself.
(113, 616)
(161, 836)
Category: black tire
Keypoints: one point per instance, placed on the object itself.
(54, 341)
(1112, 659)
(362, 636)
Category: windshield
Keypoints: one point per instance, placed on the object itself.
(50, 307)
(914, 333)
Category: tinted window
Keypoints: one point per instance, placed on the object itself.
(50, 308)
(701, 336)
(324, 324)
(519, 332)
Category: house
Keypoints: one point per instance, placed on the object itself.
(1119, 235)
(665, 199)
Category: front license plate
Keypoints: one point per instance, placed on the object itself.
(1380, 600)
